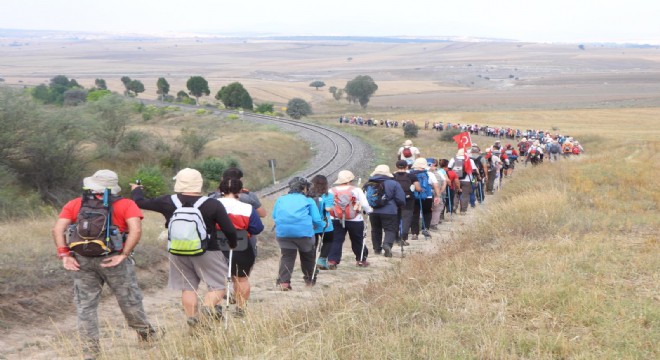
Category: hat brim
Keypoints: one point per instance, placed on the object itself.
(90, 184)
(375, 173)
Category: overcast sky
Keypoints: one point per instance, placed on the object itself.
(526, 20)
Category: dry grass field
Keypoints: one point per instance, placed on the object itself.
(560, 264)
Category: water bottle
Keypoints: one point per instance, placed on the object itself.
(116, 239)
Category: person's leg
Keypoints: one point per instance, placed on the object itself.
(435, 214)
(466, 186)
(287, 262)
(242, 290)
(427, 205)
(406, 220)
(376, 232)
(307, 258)
(391, 227)
(337, 242)
(327, 243)
(356, 234)
(414, 225)
(87, 287)
(123, 282)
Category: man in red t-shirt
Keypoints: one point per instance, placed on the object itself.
(116, 268)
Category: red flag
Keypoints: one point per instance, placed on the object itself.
(467, 163)
(463, 140)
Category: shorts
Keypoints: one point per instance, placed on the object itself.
(242, 262)
(186, 272)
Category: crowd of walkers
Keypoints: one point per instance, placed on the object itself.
(212, 238)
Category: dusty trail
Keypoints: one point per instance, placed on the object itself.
(45, 341)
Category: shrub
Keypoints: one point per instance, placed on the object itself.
(96, 95)
(410, 130)
(153, 181)
(448, 135)
(133, 141)
(212, 169)
(233, 117)
(200, 112)
(264, 108)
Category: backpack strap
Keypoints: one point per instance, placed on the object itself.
(176, 201)
(200, 201)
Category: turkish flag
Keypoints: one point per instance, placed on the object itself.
(463, 140)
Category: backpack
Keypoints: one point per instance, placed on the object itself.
(93, 233)
(459, 167)
(344, 206)
(427, 190)
(533, 152)
(404, 180)
(375, 192)
(576, 150)
(480, 167)
(555, 148)
(186, 232)
(407, 152)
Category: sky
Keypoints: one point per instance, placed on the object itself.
(574, 21)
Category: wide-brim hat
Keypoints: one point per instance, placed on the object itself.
(101, 180)
(188, 180)
(407, 143)
(382, 170)
(460, 152)
(344, 177)
(420, 163)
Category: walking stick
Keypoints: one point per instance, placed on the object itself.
(451, 209)
(364, 237)
(229, 281)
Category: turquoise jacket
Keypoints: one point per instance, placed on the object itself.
(295, 216)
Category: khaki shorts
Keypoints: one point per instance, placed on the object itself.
(186, 272)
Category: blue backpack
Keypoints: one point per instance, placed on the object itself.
(375, 193)
(423, 178)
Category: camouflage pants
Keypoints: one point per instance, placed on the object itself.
(87, 285)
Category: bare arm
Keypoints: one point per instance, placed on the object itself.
(261, 212)
(68, 261)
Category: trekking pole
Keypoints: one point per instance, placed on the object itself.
(364, 237)
(318, 253)
(229, 281)
(401, 236)
(106, 205)
(451, 209)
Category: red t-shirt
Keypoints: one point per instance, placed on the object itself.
(122, 209)
(451, 175)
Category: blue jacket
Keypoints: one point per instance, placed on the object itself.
(296, 215)
(326, 200)
(394, 193)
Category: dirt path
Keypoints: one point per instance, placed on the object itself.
(163, 306)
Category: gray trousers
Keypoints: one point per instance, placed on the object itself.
(466, 186)
(289, 248)
(87, 286)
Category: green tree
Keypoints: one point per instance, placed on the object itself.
(163, 87)
(265, 108)
(317, 84)
(136, 86)
(332, 89)
(112, 114)
(198, 86)
(97, 94)
(361, 88)
(235, 96)
(127, 84)
(195, 141)
(338, 94)
(100, 84)
(298, 108)
(74, 97)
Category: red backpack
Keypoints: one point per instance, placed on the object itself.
(576, 150)
(407, 152)
(344, 207)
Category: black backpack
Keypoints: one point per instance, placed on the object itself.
(404, 180)
(375, 193)
(93, 233)
(480, 167)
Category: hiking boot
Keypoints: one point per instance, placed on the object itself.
(378, 252)
(363, 263)
(433, 228)
(332, 265)
(322, 263)
(405, 242)
(214, 313)
(150, 334)
(426, 234)
(388, 250)
(239, 312)
(285, 286)
(413, 237)
(192, 322)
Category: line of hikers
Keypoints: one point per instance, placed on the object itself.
(212, 238)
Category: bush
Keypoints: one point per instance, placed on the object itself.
(410, 130)
(212, 169)
(153, 181)
(264, 108)
(448, 135)
(133, 141)
(233, 117)
(96, 95)
(200, 112)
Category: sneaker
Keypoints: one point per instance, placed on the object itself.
(378, 252)
(363, 263)
(214, 313)
(322, 264)
(405, 242)
(413, 237)
(192, 322)
(332, 265)
(285, 286)
(239, 312)
(388, 250)
(433, 228)
(426, 234)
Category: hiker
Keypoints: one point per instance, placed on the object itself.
(408, 151)
(512, 155)
(346, 214)
(245, 195)
(385, 197)
(437, 210)
(464, 176)
(320, 192)
(481, 174)
(409, 183)
(554, 150)
(248, 223)
(424, 199)
(453, 186)
(188, 264)
(103, 262)
(296, 218)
